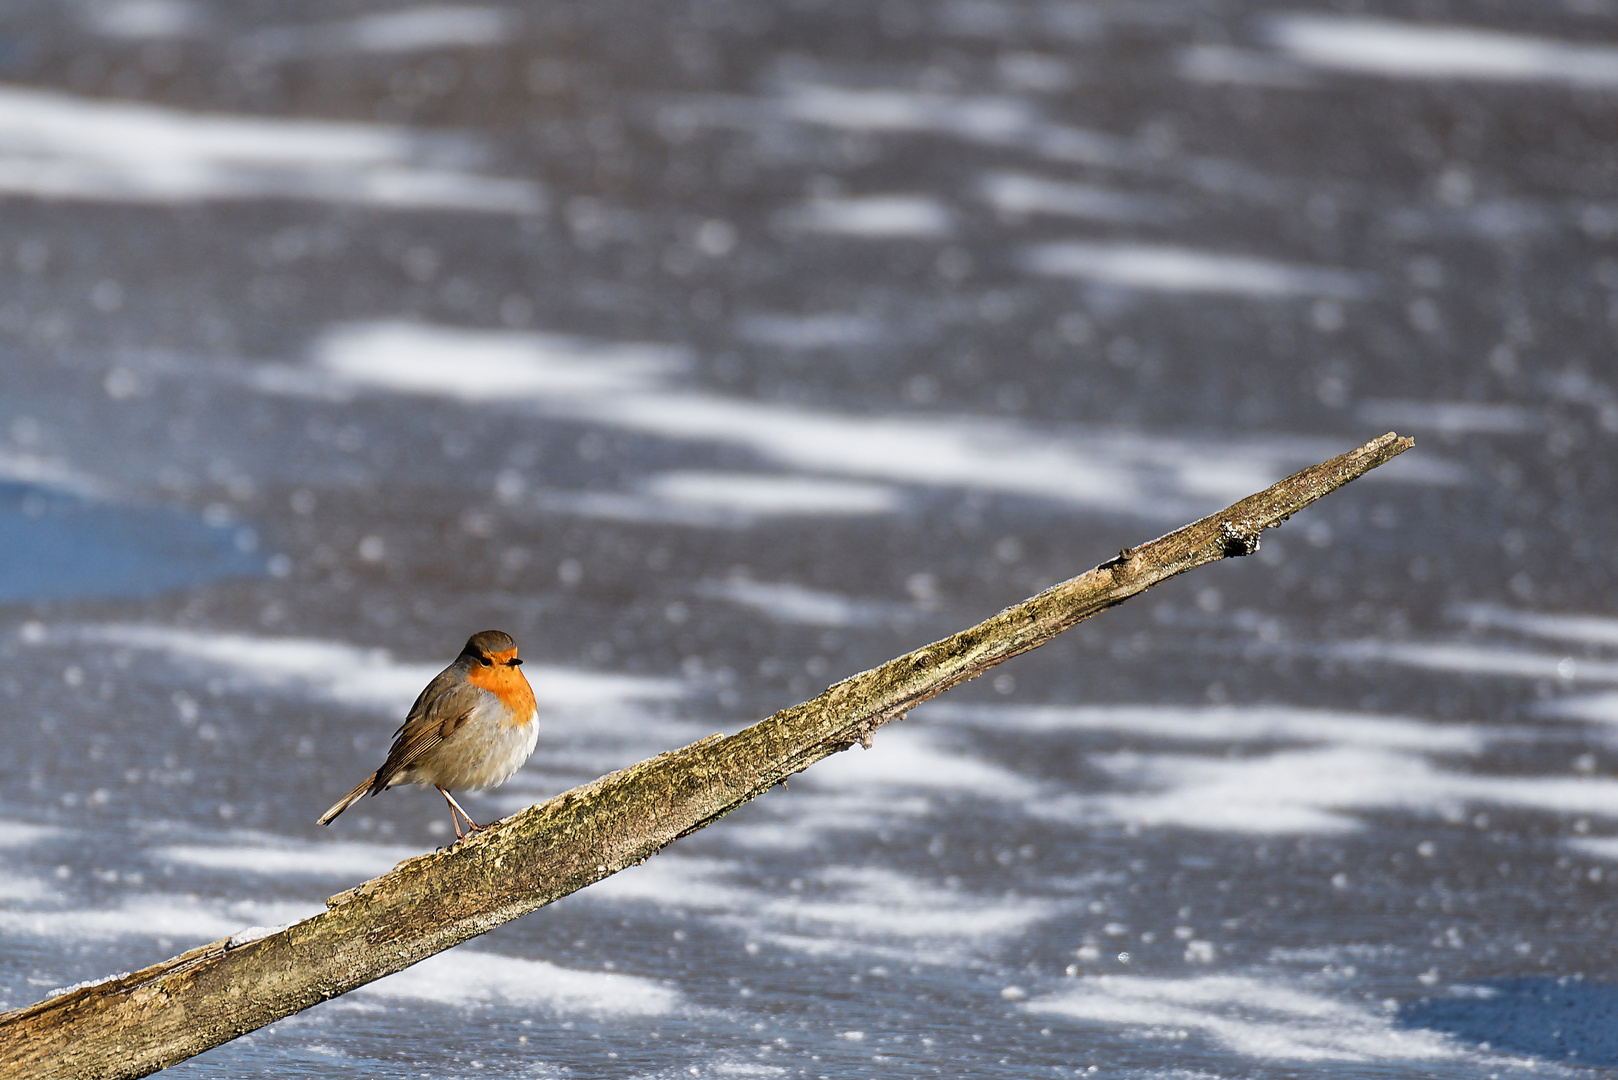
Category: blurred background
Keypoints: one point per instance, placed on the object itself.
(717, 351)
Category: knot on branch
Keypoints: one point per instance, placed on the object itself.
(1117, 561)
(1236, 541)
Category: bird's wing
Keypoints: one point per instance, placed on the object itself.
(434, 719)
(434, 691)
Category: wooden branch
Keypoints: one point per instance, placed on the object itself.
(136, 1024)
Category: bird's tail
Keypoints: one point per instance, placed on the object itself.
(347, 800)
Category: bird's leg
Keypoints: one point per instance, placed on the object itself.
(453, 817)
(455, 807)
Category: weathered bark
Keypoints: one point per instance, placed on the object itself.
(142, 1022)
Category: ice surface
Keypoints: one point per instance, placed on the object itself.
(65, 539)
(829, 330)
(271, 303)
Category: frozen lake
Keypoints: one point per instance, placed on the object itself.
(717, 351)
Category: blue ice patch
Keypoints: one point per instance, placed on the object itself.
(56, 546)
(1559, 1019)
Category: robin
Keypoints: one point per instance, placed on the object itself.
(474, 725)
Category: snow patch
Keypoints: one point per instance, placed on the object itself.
(1311, 791)
(815, 814)
(874, 902)
(1106, 469)
(912, 759)
(1450, 417)
(766, 495)
(48, 473)
(281, 859)
(1240, 67)
(1248, 1016)
(840, 910)
(1404, 50)
(1599, 847)
(183, 918)
(489, 365)
(1468, 659)
(1219, 724)
(725, 500)
(16, 887)
(1163, 268)
(471, 977)
(59, 146)
(984, 120)
(1599, 630)
(881, 217)
(1593, 708)
(356, 677)
(1017, 195)
(139, 20)
(86, 984)
(20, 833)
(252, 934)
(784, 602)
(408, 30)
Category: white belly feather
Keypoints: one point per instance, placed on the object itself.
(482, 753)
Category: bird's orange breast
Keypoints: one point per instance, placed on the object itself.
(507, 683)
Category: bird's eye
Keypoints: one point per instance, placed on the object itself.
(485, 661)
